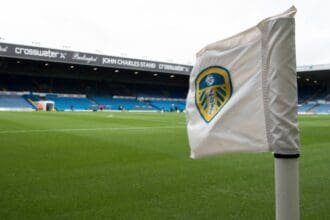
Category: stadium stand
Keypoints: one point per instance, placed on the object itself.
(164, 105)
(115, 103)
(323, 108)
(119, 86)
(305, 107)
(33, 97)
(14, 102)
(154, 91)
(313, 93)
(70, 103)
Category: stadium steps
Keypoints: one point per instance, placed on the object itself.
(155, 106)
(312, 108)
(167, 105)
(70, 103)
(32, 103)
(92, 100)
(15, 102)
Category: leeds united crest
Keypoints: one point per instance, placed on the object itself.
(213, 90)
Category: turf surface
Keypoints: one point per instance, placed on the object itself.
(136, 166)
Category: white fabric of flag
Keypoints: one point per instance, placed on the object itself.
(243, 92)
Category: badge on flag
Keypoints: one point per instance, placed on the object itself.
(213, 90)
(243, 92)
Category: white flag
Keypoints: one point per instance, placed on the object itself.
(243, 92)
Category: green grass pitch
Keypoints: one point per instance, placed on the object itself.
(136, 166)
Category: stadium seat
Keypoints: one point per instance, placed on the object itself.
(70, 103)
(168, 105)
(322, 109)
(305, 107)
(14, 102)
(121, 103)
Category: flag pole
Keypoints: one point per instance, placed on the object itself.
(287, 187)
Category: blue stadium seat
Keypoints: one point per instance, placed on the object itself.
(14, 102)
(69, 103)
(121, 103)
(305, 107)
(322, 108)
(168, 105)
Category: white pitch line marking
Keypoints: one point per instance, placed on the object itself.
(85, 129)
(140, 118)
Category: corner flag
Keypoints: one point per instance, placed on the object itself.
(243, 92)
